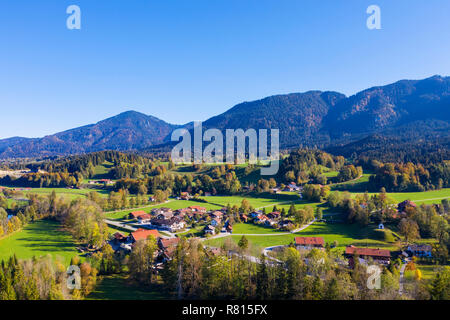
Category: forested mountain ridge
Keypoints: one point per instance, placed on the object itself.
(298, 116)
(411, 113)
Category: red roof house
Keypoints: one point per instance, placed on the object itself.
(136, 214)
(313, 242)
(143, 234)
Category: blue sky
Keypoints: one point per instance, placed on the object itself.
(189, 60)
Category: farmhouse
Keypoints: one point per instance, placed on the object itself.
(378, 255)
(308, 242)
(143, 234)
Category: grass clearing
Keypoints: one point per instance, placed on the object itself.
(250, 228)
(37, 239)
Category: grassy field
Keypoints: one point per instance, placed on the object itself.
(345, 235)
(70, 193)
(256, 202)
(356, 185)
(117, 287)
(250, 228)
(38, 239)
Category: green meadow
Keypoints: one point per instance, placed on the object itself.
(344, 234)
(37, 239)
(427, 197)
(250, 228)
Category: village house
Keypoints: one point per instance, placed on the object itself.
(309, 243)
(270, 222)
(144, 219)
(286, 224)
(143, 234)
(377, 255)
(215, 222)
(216, 214)
(213, 251)
(164, 215)
(119, 238)
(197, 209)
(261, 219)
(274, 215)
(181, 212)
(420, 250)
(136, 214)
(173, 224)
(256, 214)
(292, 187)
(185, 196)
(276, 190)
(161, 210)
(209, 229)
(167, 248)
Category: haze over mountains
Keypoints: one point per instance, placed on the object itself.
(407, 111)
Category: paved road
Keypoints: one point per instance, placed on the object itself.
(120, 225)
(402, 274)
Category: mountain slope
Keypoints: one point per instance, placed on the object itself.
(130, 130)
(390, 106)
(298, 116)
